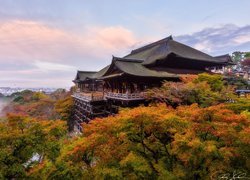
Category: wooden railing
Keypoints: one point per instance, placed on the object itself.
(91, 96)
(98, 96)
(125, 96)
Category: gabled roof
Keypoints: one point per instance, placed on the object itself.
(84, 75)
(136, 62)
(134, 67)
(101, 72)
(154, 50)
(225, 57)
(161, 49)
(87, 75)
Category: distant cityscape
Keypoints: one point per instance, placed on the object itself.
(6, 91)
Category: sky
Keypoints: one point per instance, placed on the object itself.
(44, 42)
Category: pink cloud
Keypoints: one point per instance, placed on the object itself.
(33, 52)
(32, 41)
(113, 38)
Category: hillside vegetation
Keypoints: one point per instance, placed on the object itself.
(39, 105)
(194, 129)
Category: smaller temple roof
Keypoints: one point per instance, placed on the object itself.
(87, 75)
(225, 57)
(84, 75)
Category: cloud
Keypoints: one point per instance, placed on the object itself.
(219, 40)
(204, 46)
(113, 38)
(47, 66)
(242, 39)
(34, 54)
(31, 47)
(28, 40)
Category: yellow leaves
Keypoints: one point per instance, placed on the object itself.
(148, 142)
(24, 137)
(108, 173)
(195, 143)
(122, 136)
(246, 114)
(245, 135)
(210, 147)
(38, 96)
(137, 163)
(227, 153)
(190, 113)
(64, 107)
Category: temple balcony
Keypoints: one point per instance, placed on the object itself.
(89, 96)
(125, 96)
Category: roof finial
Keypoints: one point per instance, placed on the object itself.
(114, 58)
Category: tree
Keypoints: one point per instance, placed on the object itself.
(64, 107)
(246, 64)
(238, 56)
(204, 89)
(23, 139)
(237, 82)
(247, 55)
(57, 105)
(156, 142)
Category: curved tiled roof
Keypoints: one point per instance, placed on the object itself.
(101, 72)
(162, 49)
(137, 62)
(86, 75)
(135, 68)
(83, 75)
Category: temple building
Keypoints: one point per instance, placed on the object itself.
(124, 81)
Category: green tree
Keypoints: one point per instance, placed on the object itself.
(64, 107)
(22, 139)
(204, 89)
(238, 56)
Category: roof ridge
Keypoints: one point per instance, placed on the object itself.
(151, 45)
(223, 55)
(87, 71)
(126, 59)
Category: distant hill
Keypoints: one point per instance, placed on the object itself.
(7, 91)
(1, 95)
(40, 104)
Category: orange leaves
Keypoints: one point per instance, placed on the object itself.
(204, 89)
(26, 142)
(188, 78)
(245, 135)
(190, 113)
(159, 141)
(42, 106)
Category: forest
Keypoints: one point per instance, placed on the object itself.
(194, 129)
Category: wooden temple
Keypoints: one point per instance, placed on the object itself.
(124, 81)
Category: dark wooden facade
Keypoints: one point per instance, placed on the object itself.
(125, 80)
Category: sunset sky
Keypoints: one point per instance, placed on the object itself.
(44, 42)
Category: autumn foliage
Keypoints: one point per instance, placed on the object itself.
(204, 89)
(194, 129)
(22, 139)
(154, 142)
(58, 105)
